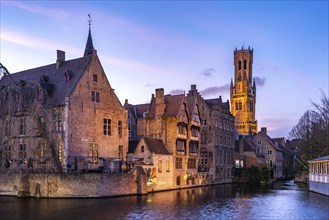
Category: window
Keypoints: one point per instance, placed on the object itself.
(93, 152)
(193, 147)
(7, 152)
(269, 152)
(196, 117)
(142, 149)
(195, 132)
(95, 97)
(203, 158)
(60, 152)
(238, 105)
(259, 142)
(107, 126)
(181, 129)
(204, 136)
(41, 150)
(204, 122)
(120, 128)
(168, 166)
(22, 126)
(239, 65)
(22, 151)
(270, 163)
(245, 64)
(95, 78)
(179, 163)
(191, 163)
(180, 146)
(160, 166)
(58, 122)
(238, 163)
(121, 152)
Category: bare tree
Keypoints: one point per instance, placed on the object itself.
(313, 130)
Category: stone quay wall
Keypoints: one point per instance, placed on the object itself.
(51, 185)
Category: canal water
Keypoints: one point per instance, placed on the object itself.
(283, 200)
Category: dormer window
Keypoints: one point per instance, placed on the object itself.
(95, 78)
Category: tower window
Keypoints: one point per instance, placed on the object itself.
(239, 65)
(245, 64)
(238, 105)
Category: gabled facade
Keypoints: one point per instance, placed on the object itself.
(273, 153)
(70, 118)
(217, 138)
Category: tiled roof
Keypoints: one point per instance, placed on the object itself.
(140, 109)
(62, 88)
(156, 146)
(173, 104)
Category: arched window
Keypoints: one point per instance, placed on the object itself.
(142, 149)
(245, 64)
(240, 65)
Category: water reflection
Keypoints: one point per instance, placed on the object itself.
(280, 201)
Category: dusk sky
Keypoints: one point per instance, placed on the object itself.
(146, 45)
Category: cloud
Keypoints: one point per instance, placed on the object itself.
(35, 42)
(215, 90)
(36, 9)
(277, 127)
(148, 85)
(208, 72)
(260, 81)
(177, 91)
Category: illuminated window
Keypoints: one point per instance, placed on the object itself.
(93, 152)
(160, 166)
(107, 126)
(168, 166)
(95, 97)
(120, 152)
(58, 122)
(41, 150)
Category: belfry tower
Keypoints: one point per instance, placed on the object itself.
(243, 92)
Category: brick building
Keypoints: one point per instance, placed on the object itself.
(67, 117)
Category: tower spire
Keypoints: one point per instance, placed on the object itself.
(89, 45)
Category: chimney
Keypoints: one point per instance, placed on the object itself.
(60, 58)
(263, 131)
(240, 144)
(193, 90)
(159, 96)
(159, 102)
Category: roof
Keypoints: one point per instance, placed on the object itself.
(156, 146)
(62, 88)
(248, 145)
(173, 105)
(89, 45)
(140, 109)
(132, 146)
(326, 158)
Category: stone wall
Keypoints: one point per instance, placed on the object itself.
(73, 185)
